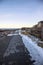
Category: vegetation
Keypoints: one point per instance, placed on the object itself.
(26, 33)
(40, 44)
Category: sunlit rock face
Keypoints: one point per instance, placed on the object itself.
(40, 27)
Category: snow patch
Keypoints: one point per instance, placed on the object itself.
(11, 34)
(35, 51)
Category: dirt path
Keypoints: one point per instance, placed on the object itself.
(17, 51)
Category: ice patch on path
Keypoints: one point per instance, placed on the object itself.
(35, 51)
(11, 34)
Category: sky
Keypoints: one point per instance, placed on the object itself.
(20, 13)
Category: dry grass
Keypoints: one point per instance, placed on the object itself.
(26, 33)
(40, 44)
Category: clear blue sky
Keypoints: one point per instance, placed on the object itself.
(20, 13)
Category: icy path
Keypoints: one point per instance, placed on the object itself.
(35, 51)
(11, 34)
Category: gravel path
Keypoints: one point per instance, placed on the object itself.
(15, 45)
(17, 52)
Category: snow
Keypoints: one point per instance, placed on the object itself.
(11, 34)
(35, 51)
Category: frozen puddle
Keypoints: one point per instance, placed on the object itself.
(35, 51)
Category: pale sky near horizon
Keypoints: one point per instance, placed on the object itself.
(20, 13)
